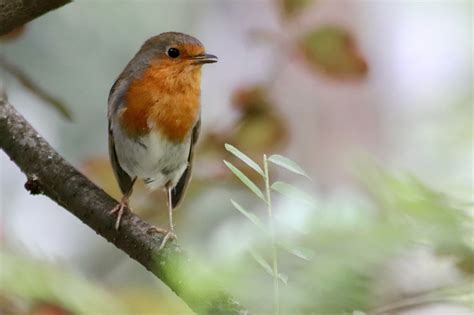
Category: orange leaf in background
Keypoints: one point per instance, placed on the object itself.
(251, 99)
(49, 309)
(260, 129)
(332, 50)
(100, 172)
(290, 8)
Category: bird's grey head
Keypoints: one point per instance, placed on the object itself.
(177, 46)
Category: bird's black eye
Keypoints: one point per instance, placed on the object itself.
(173, 53)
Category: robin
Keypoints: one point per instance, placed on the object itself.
(154, 119)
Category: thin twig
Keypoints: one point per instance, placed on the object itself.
(276, 281)
(31, 86)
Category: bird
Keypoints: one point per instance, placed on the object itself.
(154, 119)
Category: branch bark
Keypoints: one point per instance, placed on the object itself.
(49, 174)
(14, 13)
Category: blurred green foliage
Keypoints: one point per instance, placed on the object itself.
(35, 283)
(349, 256)
(431, 217)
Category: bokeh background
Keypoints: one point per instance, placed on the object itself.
(372, 98)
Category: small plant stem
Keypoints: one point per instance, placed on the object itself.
(276, 288)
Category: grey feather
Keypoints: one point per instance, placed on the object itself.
(178, 191)
(124, 180)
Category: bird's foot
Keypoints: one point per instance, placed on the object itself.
(168, 235)
(120, 208)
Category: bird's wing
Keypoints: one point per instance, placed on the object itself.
(134, 69)
(178, 191)
(124, 180)
(116, 92)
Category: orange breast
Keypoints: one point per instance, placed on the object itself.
(166, 98)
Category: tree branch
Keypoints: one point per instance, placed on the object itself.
(49, 174)
(14, 13)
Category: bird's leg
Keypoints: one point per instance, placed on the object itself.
(123, 204)
(170, 210)
(169, 233)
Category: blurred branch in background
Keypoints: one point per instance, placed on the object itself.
(15, 13)
(32, 87)
(49, 174)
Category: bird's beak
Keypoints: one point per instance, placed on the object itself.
(204, 58)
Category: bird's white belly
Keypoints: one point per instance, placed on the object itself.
(153, 158)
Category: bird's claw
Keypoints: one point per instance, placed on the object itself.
(120, 208)
(168, 235)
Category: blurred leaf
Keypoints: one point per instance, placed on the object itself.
(288, 164)
(245, 180)
(261, 127)
(244, 158)
(262, 262)
(260, 133)
(252, 99)
(266, 266)
(293, 192)
(332, 50)
(283, 277)
(290, 8)
(406, 194)
(38, 282)
(34, 88)
(436, 217)
(304, 254)
(252, 217)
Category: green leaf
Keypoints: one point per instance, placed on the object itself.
(266, 266)
(252, 217)
(283, 278)
(245, 180)
(304, 254)
(244, 158)
(288, 164)
(293, 192)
